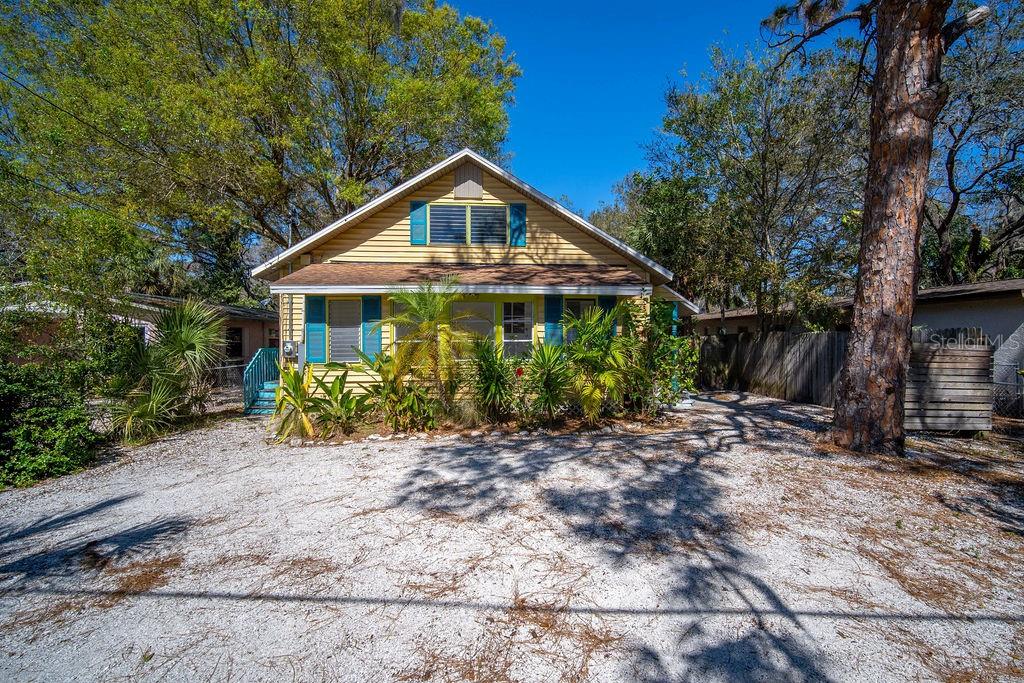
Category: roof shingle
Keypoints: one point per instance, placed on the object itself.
(385, 274)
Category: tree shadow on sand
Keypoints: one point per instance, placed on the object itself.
(24, 562)
(649, 498)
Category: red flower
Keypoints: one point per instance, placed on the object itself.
(519, 372)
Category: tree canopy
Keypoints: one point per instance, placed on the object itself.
(229, 129)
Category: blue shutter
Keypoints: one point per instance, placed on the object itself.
(553, 319)
(606, 304)
(316, 330)
(417, 222)
(371, 330)
(517, 225)
(675, 318)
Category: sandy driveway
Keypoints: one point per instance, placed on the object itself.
(726, 544)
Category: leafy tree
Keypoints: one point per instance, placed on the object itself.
(756, 179)
(974, 219)
(231, 129)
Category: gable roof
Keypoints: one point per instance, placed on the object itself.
(433, 173)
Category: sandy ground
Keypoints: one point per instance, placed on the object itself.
(729, 543)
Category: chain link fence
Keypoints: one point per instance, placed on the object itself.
(228, 376)
(1008, 390)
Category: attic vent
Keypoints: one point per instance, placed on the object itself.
(467, 182)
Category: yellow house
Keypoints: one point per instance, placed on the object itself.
(521, 260)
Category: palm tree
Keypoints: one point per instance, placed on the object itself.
(173, 378)
(189, 343)
(596, 359)
(431, 342)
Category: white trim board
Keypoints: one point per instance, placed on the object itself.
(619, 290)
(670, 294)
(438, 170)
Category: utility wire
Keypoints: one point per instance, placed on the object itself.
(74, 198)
(111, 136)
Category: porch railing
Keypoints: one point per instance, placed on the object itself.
(262, 368)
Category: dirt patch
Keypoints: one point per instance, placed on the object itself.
(530, 633)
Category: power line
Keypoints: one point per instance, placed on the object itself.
(111, 136)
(74, 198)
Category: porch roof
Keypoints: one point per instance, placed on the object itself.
(472, 278)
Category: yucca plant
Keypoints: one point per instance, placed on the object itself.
(294, 404)
(338, 410)
(494, 380)
(433, 343)
(597, 360)
(547, 380)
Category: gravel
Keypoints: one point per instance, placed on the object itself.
(726, 543)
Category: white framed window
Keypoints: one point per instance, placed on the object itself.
(344, 318)
(468, 224)
(475, 317)
(577, 307)
(517, 327)
(399, 332)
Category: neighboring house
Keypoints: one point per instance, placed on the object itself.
(521, 260)
(246, 330)
(997, 308)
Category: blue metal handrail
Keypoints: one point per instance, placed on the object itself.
(262, 368)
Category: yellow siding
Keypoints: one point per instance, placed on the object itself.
(291, 309)
(384, 237)
(357, 376)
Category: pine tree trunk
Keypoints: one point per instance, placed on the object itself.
(907, 97)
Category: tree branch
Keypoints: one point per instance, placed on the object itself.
(961, 25)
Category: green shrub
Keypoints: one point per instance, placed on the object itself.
(338, 410)
(44, 423)
(401, 403)
(294, 407)
(660, 367)
(432, 343)
(494, 380)
(172, 374)
(147, 411)
(547, 379)
(597, 361)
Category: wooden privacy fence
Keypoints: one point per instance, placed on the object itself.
(949, 385)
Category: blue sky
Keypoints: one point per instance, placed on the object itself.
(594, 79)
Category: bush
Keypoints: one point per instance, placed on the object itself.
(402, 404)
(660, 367)
(171, 375)
(494, 380)
(547, 379)
(147, 411)
(294, 408)
(44, 423)
(597, 361)
(338, 410)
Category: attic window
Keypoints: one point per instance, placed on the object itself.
(468, 183)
